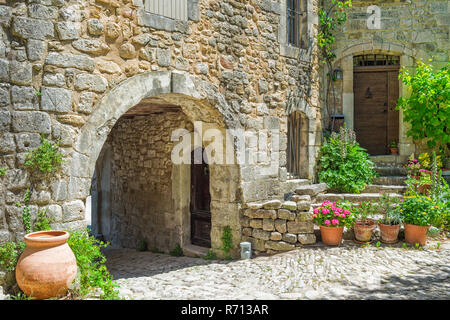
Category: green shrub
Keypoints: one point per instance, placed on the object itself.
(210, 255)
(46, 158)
(177, 251)
(227, 239)
(343, 165)
(9, 255)
(91, 264)
(2, 171)
(43, 221)
(418, 210)
(426, 109)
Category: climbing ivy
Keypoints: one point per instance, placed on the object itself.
(227, 240)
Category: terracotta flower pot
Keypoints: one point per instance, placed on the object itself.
(363, 230)
(394, 150)
(47, 266)
(389, 233)
(424, 189)
(331, 236)
(416, 234)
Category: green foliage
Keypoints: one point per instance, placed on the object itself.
(363, 210)
(156, 250)
(418, 210)
(26, 213)
(210, 255)
(427, 109)
(9, 255)
(3, 171)
(142, 246)
(91, 263)
(43, 221)
(177, 251)
(333, 214)
(227, 240)
(329, 20)
(46, 158)
(343, 165)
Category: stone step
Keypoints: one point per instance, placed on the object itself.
(389, 159)
(390, 180)
(312, 189)
(352, 197)
(377, 188)
(390, 171)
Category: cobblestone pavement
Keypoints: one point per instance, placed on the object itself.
(347, 272)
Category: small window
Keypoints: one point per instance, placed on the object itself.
(296, 23)
(367, 60)
(174, 9)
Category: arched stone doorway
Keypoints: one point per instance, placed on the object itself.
(345, 61)
(114, 119)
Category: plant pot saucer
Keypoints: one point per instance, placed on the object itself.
(363, 242)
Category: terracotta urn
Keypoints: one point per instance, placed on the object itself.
(363, 230)
(416, 234)
(331, 236)
(389, 233)
(47, 267)
(394, 150)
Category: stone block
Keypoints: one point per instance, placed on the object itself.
(17, 179)
(280, 225)
(67, 60)
(5, 120)
(36, 49)
(54, 79)
(304, 216)
(256, 223)
(286, 214)
(260, 234)
(86, 102)
(59, 190)
(275, 236)
(94, 47)
(290, 238)
(41, 12)
(268, 225)
(73, 211)
(4, 98)
(21, 73)
(307, 238)
(95, 27)
(266, 214)
(78, 188)
(90, 82)
(303, 205)
(163, 57)
(272, 204)
(56, 100)
(297, 198)
(300, 227)
(7, 144)
(24, 98)
(27, 141)
(31, 121)
(28, 28)
(279, 245)
(54, 211)
(312, 189)
(247, 232)
(4, 70)
(289, 205)
(67, 30)
(257, 244)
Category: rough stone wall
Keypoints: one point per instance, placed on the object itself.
(275, 226)
(411, 29)
(60, 59)
(141, 183)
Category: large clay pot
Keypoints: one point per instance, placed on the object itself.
(331, 236)
(389, 233)
(47, 266)
(416, 234)
(363, 230)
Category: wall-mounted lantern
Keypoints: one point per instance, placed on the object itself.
(337, 74)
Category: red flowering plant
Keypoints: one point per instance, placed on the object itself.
(333, 214)
(414, 168)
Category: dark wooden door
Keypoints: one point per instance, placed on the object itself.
(200, 204)
(375, 97)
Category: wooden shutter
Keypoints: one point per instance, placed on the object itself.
(175, 9)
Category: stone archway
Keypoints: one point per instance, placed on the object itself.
(344, 59)
(199, 101)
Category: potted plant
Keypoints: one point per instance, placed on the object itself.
(417, 213)
(364, 226)
(390, 224)
(332, 217)
(412, 167)
(393, 147)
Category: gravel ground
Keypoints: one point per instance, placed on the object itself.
(346, 272)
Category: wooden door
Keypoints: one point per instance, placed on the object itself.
(200, 204)
(375, 119)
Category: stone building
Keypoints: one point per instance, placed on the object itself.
(378, 39)
(112, 80)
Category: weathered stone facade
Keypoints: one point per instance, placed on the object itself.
(409, 29)
(71, 69)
